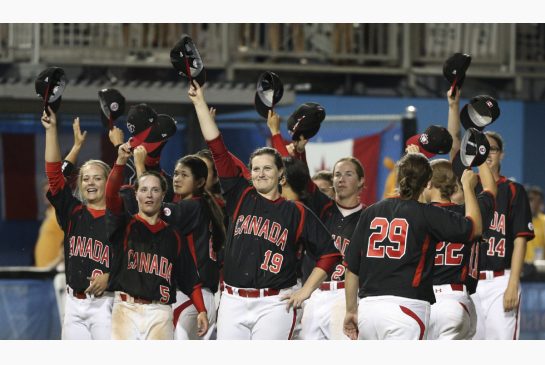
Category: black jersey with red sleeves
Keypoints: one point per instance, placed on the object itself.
(512, 218)
(457, 262)
(87, 250)
(392, 249)
(201, 239)
(341, 228)
(192, 218)
(153, 259)
(264, 237)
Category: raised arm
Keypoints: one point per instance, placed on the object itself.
(52, 148)
(208, 125)
(115, 180)
(487, 179)
(79, 140)
(469, 181)
(453, 125)
(53, 163)
(225, 165)
(140, 154)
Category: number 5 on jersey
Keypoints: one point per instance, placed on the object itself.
(396, 232)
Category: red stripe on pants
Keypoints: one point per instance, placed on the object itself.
(413, 315)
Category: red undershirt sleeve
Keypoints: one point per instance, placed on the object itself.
(53, 170)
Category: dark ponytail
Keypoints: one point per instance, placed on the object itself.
(200, 171)
(216, 220)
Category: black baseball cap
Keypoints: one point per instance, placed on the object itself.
(435, 140)
(481, 111)
(186, 59)
(50, 85)
(268, 93)
(455, 67)
(112, 106)
(306, 120)
(161, 131)
(140, 120)
(474, 149)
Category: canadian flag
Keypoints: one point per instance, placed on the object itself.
(322, 156)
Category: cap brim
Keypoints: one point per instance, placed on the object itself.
(416, 141)
(139, 138)
(106, 123)
(260, 107)
(465, 119)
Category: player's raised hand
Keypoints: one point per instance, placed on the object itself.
(454, 100)
(469, 179)
(412, 148)
(350, 325)
(49, 121)
(140, 154)
(123, 154)
(195, 93)
(97, 284)
(116, 136)
(300, 144)
(296, 298)
(212, 113)
(273, 122)
(79, 138)
(202, 324)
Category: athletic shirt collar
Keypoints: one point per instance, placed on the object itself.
(96, 213)
(347, 211)
(152, 227)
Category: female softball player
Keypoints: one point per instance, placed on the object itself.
(152, 259)
(87, 249)
(390, 258)
(262, 242)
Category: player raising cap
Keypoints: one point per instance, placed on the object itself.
(453, 315)
(151, 259)
(324, 312)
(390, 257)
(87, 249)
(264, 233)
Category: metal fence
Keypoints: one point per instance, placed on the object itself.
(385, 47)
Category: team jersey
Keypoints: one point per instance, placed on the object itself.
(198, 228)
(201, 239)
(87, 250)
(199, 235)
(151, 260)
(512, 218)
(457, 262)
(154, 259)
(391, 249)
(264, 236)
(340, 226)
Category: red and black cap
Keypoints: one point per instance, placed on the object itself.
(112, 106)
(306, 120)
(481, 111)
(435, 140)
(140, 120)
(50, 85)
(186, 59)
(269, 92)
(474, 149)
(454, 70)
(161, 131)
